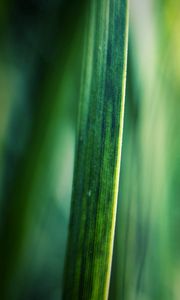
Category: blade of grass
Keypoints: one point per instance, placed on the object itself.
(98, 153)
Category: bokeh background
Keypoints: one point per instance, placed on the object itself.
(41, 48)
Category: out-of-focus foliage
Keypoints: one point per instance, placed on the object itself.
(147, 254)
(39, 58)
(40, 62)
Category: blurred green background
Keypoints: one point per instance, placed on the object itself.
(41, 46)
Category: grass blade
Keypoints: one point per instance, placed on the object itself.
(97, 162)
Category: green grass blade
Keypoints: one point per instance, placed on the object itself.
(97, 162)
